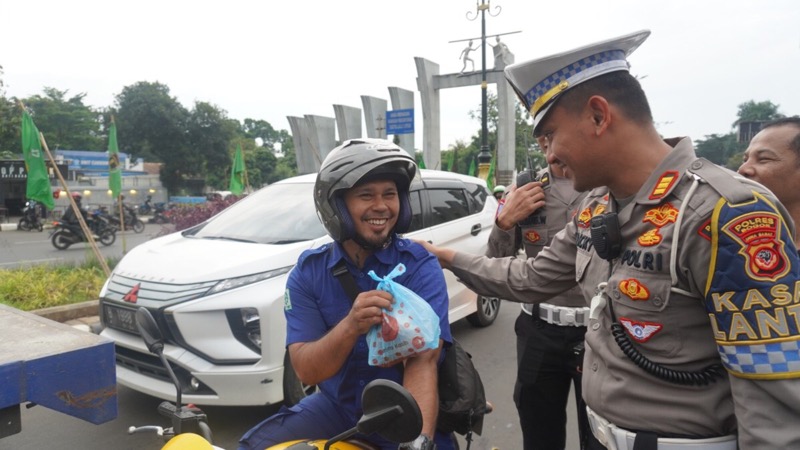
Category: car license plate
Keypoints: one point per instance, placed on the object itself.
(120, 318)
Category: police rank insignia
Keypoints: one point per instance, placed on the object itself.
(634, 289)
(545, 180)
(757, 233)
(584, 217)
(650, 238)
(664, 184)
(640, 331)
(662, 215)
(532, 236)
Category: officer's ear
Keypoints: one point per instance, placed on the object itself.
(600, 113)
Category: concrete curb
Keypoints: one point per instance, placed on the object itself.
(66, 313)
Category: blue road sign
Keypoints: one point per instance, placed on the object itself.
(400, 121)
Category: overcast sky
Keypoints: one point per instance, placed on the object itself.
(271, 59)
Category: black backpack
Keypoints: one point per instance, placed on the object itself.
(462, 400)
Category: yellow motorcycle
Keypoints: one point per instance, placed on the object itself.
(389, 410)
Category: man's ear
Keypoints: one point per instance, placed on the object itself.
(600, 112)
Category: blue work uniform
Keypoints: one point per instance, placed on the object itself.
(315, 302)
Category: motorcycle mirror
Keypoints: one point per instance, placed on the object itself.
(148, 328)
(390, 411)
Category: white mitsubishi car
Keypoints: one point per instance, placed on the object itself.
(217, 289)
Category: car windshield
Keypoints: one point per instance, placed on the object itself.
(277, 214)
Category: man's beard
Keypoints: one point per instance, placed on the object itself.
(377, 243)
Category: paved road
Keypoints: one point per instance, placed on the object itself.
(26, 248)
(493, 351)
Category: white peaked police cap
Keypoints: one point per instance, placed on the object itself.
(539, 82)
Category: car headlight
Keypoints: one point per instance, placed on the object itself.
(245, 324)
(233, 283)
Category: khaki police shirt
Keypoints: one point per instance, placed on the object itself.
(683, 328)
(562, 203)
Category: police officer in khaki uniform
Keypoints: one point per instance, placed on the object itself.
(690, 271)
(549, 335)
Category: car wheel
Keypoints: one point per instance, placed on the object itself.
(293, 389)
(488, 309)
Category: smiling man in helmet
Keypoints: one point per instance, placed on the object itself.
(361, 197)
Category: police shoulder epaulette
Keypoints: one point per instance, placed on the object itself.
(724, 181)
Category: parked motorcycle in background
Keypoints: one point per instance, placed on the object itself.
(132, 221)
(30, 217)
(146, 208)
(162, 213)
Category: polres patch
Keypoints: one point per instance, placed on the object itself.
(532, 236)
(287, 301)
(765, 254)
(634, 289)
(640, 331)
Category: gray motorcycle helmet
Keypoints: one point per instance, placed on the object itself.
(357, 161)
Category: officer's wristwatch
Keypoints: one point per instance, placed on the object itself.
(422, 442)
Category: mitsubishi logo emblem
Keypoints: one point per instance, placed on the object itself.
(133, 295)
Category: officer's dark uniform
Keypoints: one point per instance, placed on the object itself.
(549, 335)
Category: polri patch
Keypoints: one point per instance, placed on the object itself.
(640, 331)
(634, 289)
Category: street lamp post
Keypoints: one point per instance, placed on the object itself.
(485, 156)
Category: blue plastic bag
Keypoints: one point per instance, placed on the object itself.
(411, 327)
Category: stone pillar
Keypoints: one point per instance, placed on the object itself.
(506, 132)
(429, 83)
(374, 116)
(431, 121)
(348, 122)
(321, 137)
(303, 152)
(404, 99)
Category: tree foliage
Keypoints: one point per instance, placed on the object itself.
(725, 149)
(65, 122)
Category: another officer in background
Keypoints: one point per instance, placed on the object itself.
(691, 272)
(773, 159)
(549, 335)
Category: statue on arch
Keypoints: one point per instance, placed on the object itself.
(502, 55)
(465, 57)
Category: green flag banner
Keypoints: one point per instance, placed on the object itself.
(471, 171)
(237, 172)
(450, 161)
(421, 162)
(114, 171)
(38, 187)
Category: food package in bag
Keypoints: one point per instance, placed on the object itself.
(411, 326)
